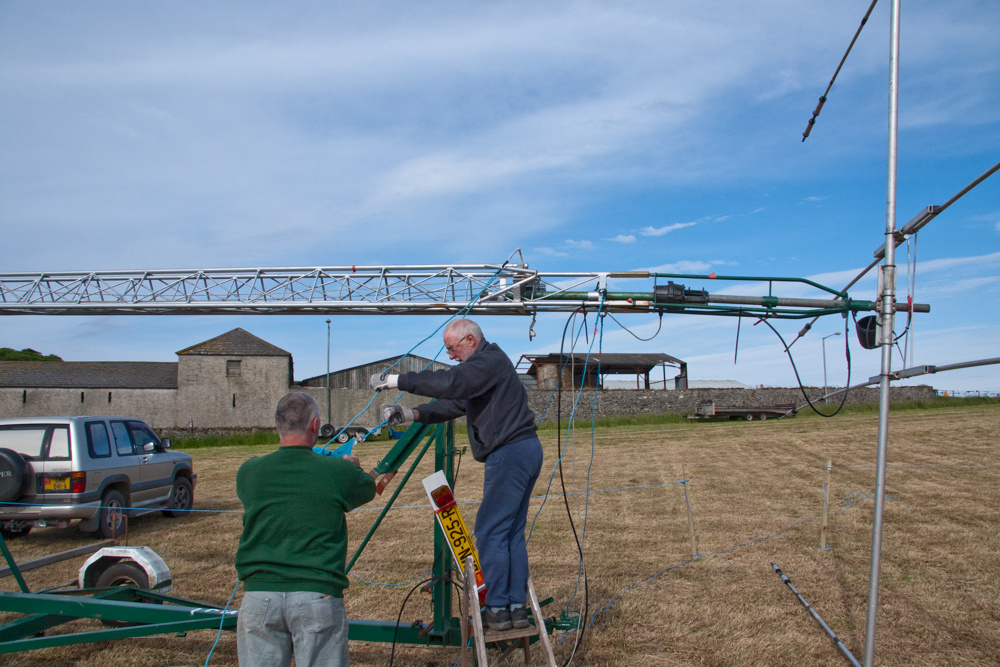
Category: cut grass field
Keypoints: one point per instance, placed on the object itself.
(748, 480)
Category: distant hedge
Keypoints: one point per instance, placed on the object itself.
(27, 354)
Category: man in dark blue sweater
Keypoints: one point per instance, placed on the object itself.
(484, 388)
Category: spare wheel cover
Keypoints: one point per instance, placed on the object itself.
(14, 475)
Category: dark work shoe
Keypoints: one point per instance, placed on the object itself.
(519, 617)
(497, 621)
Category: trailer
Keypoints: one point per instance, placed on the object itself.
(708, 410)
(345, 433)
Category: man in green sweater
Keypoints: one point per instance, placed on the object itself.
(293, 550)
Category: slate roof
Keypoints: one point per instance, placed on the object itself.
(237, 342)
(89, 374)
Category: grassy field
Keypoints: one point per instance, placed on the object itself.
(748, 480)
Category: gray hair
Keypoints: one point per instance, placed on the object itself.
(463, 328)
(294, 413)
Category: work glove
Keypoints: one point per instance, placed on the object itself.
(384, 381)
(396, 414)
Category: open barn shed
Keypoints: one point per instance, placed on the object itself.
(577, 369)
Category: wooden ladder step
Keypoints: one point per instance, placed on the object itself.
(518, 637)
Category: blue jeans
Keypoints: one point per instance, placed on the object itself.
(271, 625)
(510, 477)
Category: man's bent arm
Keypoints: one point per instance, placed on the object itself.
(361, 491)
(471, 378)
(439, 411)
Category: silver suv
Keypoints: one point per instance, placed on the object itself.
(97, 469)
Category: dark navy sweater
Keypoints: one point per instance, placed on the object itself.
(485, 389)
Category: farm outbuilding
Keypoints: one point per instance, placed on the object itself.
(581, 370)
(356, 377)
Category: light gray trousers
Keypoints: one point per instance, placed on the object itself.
(271, 625)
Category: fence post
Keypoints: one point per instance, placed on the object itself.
(826, 507)
(687, 502)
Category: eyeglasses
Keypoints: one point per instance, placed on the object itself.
(451, 349)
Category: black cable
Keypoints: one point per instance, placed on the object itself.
(822, 98)
(644, 340)
(562, 482)
(395, 631)
(847, 348)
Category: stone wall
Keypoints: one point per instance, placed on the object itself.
(637, 402)
(205, 402)
(208, 398)
(154, 406)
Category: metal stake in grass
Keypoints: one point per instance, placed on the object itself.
(826, 507)
(822, 624)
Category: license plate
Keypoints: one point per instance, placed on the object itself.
(56, 484)
(459, 539)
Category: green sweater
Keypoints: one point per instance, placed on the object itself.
(294, 529)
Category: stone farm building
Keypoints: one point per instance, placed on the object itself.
(231, 381)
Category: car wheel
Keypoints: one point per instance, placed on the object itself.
(112, 520)
(122, 574)
(13, 529)
(181, 498)
(15, 475)
(749, 417)
(343, 437)
(763, 417)
(327, 430)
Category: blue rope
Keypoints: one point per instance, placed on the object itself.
(593, 426)
(403, 507)
(463, 311)
(568, 428)
(221, 620)
(561, 370)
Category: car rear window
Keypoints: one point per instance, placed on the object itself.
(97, 440)
(25, 441)
(59, 443)
(123, 443)
(37, 441)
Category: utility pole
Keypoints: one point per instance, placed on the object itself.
(328, 420)
(825, 384)
(888, 312)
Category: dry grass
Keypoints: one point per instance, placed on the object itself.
(748, 480)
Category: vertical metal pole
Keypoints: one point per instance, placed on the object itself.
(826, 507)
(444, 459)
(328, 419)
(825, 385)
(888, 311)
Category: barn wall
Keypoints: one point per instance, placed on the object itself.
(156, 407)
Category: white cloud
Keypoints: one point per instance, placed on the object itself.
(579, 245)
(624, 238)
(660, 231)
(683, 266)
(551, 252)
(814, 198)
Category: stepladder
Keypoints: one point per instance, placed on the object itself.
(507, 641)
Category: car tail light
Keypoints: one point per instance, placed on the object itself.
(442, 497)
(78, 482)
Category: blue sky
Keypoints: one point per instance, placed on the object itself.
(593, 136)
